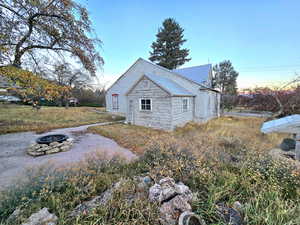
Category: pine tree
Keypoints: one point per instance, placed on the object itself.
(166, 49)
(225, 78)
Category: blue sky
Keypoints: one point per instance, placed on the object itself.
(261, 38)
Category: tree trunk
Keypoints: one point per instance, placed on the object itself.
(66, 103)
(17, 61)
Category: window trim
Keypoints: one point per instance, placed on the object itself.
(117, 101)
(140, 105)
(187, 105)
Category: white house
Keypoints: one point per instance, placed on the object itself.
(153, 96)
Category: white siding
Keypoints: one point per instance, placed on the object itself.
(160, 115)
(180, 117)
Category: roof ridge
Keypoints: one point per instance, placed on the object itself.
(173, 72)
(194, 66)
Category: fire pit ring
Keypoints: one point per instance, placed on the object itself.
(52, 138)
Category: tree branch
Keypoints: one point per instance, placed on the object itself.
(10, 9)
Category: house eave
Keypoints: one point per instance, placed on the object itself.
(183, 95)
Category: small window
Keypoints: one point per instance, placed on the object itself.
(185, 105)
(146, 104)
(115, 101)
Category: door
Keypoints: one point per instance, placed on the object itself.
(131, 112)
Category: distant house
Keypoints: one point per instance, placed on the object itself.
(153, 96)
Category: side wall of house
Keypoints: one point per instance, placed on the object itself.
(210, 105)
(160, 116)
(180, 116)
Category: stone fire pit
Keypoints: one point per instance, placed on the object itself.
(50, 144)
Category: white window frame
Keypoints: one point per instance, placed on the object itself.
(187, 105)
(117, 101)
(140, 105)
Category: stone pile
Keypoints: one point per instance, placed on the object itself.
(174, 199)
(54, 147)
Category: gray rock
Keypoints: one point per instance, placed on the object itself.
(168, 187)
(14, 215)
(53, 150)
(55, 143)
(42, 217)
(154, 193)
(185, 191)
(170, 211)
(65, 148)
(100, 200)
(35, 153)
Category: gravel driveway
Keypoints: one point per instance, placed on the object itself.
(14, 161)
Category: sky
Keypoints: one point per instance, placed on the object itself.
(260, 37)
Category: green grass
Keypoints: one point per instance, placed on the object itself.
(17, 118)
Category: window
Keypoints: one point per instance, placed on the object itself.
(115, 101)
(145, 104)
(185, 105)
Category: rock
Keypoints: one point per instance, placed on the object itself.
(185, 191)
(42, 217)
(190, 218)
(53, 150)
(43, 149)
(100, 200)
(14, 216)
(34, 153)
(154, 193)
(55, 143)
(288, 144)
(65, 148)
(168, 187)
(230, 215)
(171, 210)
(174, 199)
(54, 147)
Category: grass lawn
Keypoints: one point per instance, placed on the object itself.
(216, 133)
(16, 118)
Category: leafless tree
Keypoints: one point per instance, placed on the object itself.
(28, 28)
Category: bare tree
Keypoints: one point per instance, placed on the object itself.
(277, 97)
(64, 74)
(59, 26)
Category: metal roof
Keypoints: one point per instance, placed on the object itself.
(170, 86)
(198, 74)
(288, 124)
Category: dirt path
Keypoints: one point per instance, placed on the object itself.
(14, 161)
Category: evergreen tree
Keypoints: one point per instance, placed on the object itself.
(166, 49)
(225, 78)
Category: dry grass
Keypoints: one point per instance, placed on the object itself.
(16, 118)
(216, 133)
(268, 190)
(128, 136)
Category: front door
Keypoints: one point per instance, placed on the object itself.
(131, 112)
